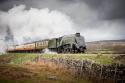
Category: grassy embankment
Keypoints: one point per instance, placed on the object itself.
(16, 58)
(19, 68)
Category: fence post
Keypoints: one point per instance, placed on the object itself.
(91, 73)
(81, 72)
(115, 72)
(101, 71)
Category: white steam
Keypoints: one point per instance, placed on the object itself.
(2, 46)
(47, 51)
(36, 24)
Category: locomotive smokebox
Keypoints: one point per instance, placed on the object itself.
(77, 34)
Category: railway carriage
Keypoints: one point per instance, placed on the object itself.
(29, 47)
(41, 45)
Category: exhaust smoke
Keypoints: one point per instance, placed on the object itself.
(47, 51)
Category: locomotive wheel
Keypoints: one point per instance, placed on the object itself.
(74, 49)
(66, 50)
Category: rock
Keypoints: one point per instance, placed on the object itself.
(53, 77)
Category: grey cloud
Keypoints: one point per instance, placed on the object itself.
(108, 9)
(116, 10)
(88, 15)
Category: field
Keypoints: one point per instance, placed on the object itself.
(21, 68)
(106, 47)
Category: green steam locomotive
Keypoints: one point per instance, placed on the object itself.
(70, 43)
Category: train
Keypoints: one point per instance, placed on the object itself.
(73, 43)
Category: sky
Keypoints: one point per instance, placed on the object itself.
(31, 20)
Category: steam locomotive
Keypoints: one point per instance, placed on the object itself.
(73, 43)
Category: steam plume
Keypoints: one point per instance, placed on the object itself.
(36, 24)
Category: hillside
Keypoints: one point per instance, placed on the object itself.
(107, 46)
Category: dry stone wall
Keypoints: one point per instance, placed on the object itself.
(114, 73)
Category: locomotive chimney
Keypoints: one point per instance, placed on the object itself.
(77, 34)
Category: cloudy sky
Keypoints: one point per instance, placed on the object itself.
(31, 20)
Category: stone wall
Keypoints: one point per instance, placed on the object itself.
(99, 73)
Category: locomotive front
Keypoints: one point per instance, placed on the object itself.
(72, 43)
(79, 43)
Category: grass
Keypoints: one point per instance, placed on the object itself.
(36, 73)
(22, 58)
(105, 59)
(19, 68)
(17, 58)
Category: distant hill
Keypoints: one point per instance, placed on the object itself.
(117, 46)
(107, 41)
